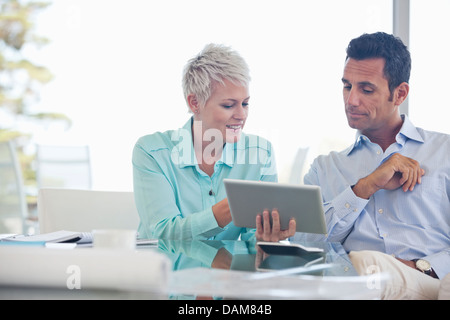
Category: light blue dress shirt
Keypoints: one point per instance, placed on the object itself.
(173, 195)
(410, 225)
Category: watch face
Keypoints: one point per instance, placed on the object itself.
(423, 265)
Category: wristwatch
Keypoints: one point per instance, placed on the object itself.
(424, 266)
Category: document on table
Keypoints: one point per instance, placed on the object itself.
(51, 237)
(80, 239)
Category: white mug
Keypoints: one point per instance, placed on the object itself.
(115, 238)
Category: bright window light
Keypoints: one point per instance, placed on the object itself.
(118, 67)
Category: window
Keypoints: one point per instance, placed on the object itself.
(118, 70)
(430, 49)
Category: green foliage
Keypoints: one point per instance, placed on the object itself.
(6, 135)
(20, 78)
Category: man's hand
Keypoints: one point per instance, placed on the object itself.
(266, 232)
(409, 263)
(398, 171)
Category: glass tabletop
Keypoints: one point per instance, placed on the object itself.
(221, 269)
(191, 269)
(244, 256)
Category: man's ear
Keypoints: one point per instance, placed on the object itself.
(401, 93)
(193, 103)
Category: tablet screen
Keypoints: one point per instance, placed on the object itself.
(301, 202)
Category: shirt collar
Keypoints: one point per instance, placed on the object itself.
(183, 151)
(407, 132)
(227, 157)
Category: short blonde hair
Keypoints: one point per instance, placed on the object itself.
(215, 63)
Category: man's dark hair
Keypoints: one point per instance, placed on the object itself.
(397, 67)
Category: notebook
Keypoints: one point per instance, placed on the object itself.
(51, 237)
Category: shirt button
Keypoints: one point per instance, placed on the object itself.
(380, 211)
(378, 152)
(347, 205)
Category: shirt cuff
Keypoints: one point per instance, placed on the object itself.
(348, 203)
(204, 224)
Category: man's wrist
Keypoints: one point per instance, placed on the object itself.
(363, 189)
(424, 266)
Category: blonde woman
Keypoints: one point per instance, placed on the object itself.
(178, 174)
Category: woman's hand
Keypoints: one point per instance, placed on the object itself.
(260, 256)
(266, 232)
(222, 260)
(221, 211)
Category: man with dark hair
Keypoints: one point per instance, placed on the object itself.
(387, 196)
(397, 68)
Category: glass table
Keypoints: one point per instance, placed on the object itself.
(209, 269)
(239, 269)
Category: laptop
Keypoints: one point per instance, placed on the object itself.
(302, 202)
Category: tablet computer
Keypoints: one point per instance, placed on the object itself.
(272, 263)
(302, 202)
(286, 249)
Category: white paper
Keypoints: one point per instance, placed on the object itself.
(57, 236)
(84, 268)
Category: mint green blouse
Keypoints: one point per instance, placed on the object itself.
(174, 197)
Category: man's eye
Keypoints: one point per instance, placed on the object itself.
(245, 104)
(347, 87)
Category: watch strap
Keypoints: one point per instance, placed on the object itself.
(427, 272)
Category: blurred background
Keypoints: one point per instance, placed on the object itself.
(81, 81)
